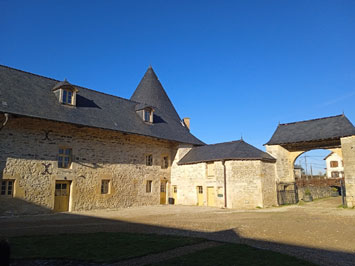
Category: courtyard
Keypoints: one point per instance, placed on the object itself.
(320, 232)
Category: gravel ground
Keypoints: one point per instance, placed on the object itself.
(318, 231)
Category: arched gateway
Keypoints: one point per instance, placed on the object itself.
(335, 133)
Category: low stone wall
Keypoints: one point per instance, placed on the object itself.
(319, 188)
(316, 192)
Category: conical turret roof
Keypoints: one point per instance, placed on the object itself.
(151, 92)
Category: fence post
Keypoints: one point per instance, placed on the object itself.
(342, 189)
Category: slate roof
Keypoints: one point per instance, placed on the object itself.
(151, 92)
(333, 127)
(234, 150)
(31, 95)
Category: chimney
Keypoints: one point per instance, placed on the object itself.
(187, 122)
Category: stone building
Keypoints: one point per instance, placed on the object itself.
(64, 147)
(231, 174)
(69, 148)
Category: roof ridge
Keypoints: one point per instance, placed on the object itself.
(315, 119)
(232, 141)
(81, 87)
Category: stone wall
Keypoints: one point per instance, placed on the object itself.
(28, 146)
(268, 181)
(188, 177)
(348, 152)
(316, 192)
(244, 187)
(250, 184)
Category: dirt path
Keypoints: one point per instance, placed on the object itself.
(317, 231)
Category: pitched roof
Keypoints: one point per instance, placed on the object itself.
(151, 92)
(325, 158)
(333, 127)
(234, 150)
(27, 94)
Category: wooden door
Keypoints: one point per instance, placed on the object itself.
(175, 194)
(61, 196)
(162, 192)
(211, 196)
(199, 196)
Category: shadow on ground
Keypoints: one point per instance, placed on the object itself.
(61, 223)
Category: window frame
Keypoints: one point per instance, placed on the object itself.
(200, 189)
(335, 174)
(334, 164)
(149, 159)
(105, 187)
(148, 115)
(61, 162)
(65, 96)
(5, 183)
(165, 163)
(149, 186)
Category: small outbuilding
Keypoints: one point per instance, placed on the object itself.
(231, 174)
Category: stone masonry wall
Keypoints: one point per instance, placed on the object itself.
(348, 152)
(188, 177)
(28, 146)
(268, 181)
(244, 186)
(284, 163)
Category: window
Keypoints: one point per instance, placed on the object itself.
(148, 186)
(175, 189)
(64, 157)
(210, 169)
(7, 187)
(105, 186)
(61, 189)
(149, 160)
(163, 186)
(67, 97)
(333, 164)
(335, 174)
(148, 115)
(200, 189)
(165, 162)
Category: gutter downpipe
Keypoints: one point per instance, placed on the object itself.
(5, 122)
(225, 183)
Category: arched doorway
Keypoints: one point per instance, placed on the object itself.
(335, 133)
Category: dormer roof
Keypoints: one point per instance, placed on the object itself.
(142, 106)
(64, 85)
(151, 92)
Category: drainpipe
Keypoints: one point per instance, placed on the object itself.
(225, 184)
(5, 122)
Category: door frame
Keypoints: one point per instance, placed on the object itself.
(69, 189)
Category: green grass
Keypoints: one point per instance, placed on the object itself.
(234, 254)
(96, 247)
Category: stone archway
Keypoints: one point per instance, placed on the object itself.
(335, 133)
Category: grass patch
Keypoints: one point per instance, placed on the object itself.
(95, 247)
(345, 207)
(234, 254)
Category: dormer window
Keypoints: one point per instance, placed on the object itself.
(65, 92)
(146, 112)
(67, 96)
(148, 115)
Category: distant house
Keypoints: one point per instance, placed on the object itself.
(335, 165)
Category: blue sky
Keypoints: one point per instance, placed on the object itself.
(236, 68)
